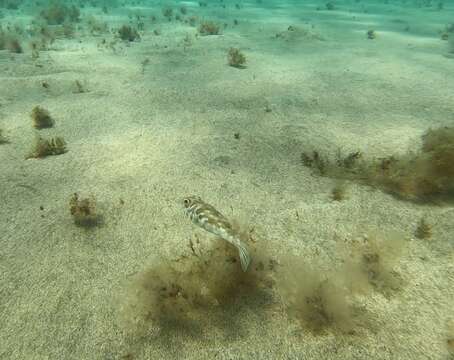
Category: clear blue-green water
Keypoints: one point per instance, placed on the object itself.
(316, 137)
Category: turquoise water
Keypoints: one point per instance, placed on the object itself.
(316, 137)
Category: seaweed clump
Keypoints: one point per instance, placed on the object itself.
(329, 6)
(326, 300)
(424, 175)
(46, 147)
(319, 301)
(339, 192)
(96, 26)
(373, 259)
(84, 211)
(41, 118)
(371, 34)
(79, 87)
(128, 33)
(236, 58)
(423, 230)
(209, 28)
(56, 13)
(14, 46)
(187, 290)
(10, 4)
(314, 160)
(168, 13)
(9, 41)
(339, 167)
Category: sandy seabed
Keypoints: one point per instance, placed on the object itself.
(156, 122)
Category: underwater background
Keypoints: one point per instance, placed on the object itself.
(322, 131)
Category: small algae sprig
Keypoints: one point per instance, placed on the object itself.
(371, 34)
(127, 33)
(424, 229)
(84, 211)
(209, 28)
(44, 147)
(168, 13)
(316, 161)
(339, 192)
(330, 6)
(236, 58)
(41, 118)
(79, 87)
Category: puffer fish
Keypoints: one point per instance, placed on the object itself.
(208, 218)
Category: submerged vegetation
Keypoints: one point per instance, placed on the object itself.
(41, 118)
(424, 229)
(57, 12)
(236, 58)
(205, 286)
(339, 191)
(84, 211)
(191, 287)
(209, 282)
(371, 34)
(96, 27)
(209, 28)
(423, 175)
(374, 257)
(45, 147)
(127, 33)
(79, 87)
(9, 40)
(317, 300)
(325, 300)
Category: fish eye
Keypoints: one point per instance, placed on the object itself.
(186, 202)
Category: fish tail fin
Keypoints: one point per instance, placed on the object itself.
(245, 258)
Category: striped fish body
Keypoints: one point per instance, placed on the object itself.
(208, 218)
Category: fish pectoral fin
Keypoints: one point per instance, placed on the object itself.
(245, 258)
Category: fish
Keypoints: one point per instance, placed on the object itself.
(208, 218)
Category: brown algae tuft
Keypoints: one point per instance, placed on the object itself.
(425, 175)
(373, 257)
(206, 282)
(45, 147)
(128, 33)
(41, 118)
(339, 191)
(209, 28)
(84, 211)
(424, 229)
(318, 300)
(236, 58)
